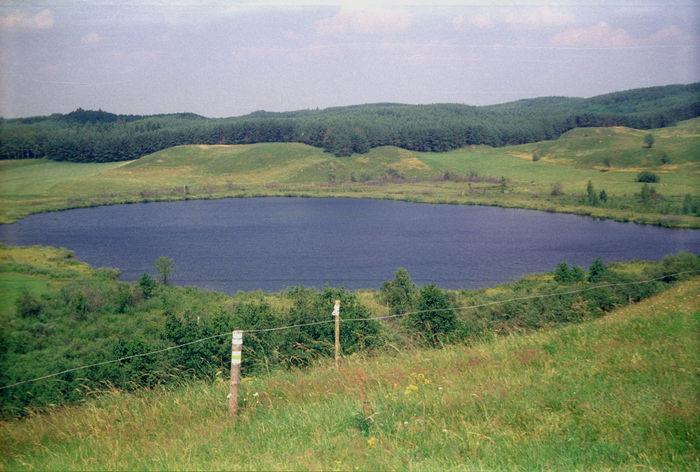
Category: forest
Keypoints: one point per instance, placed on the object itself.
(100, 136)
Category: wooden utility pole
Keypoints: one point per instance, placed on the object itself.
(236, 348)
(336, 314)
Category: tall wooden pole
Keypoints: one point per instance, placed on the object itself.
(236, 348)
(336, 314)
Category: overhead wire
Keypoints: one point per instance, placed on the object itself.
(346, 320)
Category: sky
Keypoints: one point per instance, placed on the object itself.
(219, 58)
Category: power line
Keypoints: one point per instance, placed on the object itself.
(345, 320)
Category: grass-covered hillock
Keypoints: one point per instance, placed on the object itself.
(546, 175)
(58, 314)
(619, 392)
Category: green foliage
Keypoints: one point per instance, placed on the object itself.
(597, 271)
(535, 156)
(434, 318)
(164, 267)
(147, 285)
(685, 262)
(557, 189)
(690, 205)
(664, 158)
(649, 140)
(399, 293)
(28, 306)
(89, 317)
(592, 396)
(648, 194)
(302, 346)
(98, 136)
(603, 197)
(591, 195)
(566, 274)
(647, 177)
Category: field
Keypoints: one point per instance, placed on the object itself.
(610, 158)
(619, 392)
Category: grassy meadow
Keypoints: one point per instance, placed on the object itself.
(619, 392)
(610, 158)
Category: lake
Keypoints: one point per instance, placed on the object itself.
(273, 243)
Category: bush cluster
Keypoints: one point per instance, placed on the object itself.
(96, 318)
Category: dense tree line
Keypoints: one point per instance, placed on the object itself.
(99, 136)
(95, 318)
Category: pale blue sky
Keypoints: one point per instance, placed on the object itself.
(221, 58)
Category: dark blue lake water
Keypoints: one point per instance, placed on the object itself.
(273, 243)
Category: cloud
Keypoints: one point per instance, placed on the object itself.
(365, 21)
(518, 17)
(598, 35)
(22, 20)
(602, 35)
(535, 17)
(668, 34)
(91, 38)
(478, 20)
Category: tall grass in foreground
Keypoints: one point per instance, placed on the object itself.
(618, 392)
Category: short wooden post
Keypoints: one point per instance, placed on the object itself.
(336, 314)
(236, 348)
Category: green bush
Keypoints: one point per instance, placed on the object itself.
(28, 306)
(301, 346)
(647, 177)
(434, 317)
(671, 265)
(597, 271)
(399, 293)
(566, 275)
(147, 285)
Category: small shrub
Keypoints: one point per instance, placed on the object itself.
(565, 274)
(400, 293)
(689, 206)
(597, 271)
(647, 177)
(147, 285)
(685, 262)
(557, 190)
(648, 194)
(28, 306)
(536, 156)
(434, 318)
(164, 267)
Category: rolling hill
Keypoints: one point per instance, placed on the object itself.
(98, 136)
(609, 157)
(616, 393)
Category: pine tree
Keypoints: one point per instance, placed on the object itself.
(597, 270)
(592, 197)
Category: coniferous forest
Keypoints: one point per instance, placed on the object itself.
(100, 136)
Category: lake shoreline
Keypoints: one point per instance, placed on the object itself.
(598, 213)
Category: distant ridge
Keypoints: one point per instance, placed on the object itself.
(100, 136)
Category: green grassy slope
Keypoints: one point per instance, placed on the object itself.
(609, 157)
(619, 392)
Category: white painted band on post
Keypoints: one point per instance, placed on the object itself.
(336, 308)
(238, 337)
